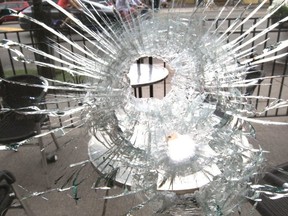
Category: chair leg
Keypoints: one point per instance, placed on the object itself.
(55, 140)
(43, 155)
(53, 136)
(23, 202)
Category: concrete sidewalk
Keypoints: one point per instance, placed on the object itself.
(26, 166)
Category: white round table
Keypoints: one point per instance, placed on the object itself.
(99, 149)
(146, 74)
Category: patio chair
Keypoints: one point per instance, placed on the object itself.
(9, 194)
(278, 178)
(20, 116)
(253, 77)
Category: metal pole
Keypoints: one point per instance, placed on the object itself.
(42, 14)
(2, 75)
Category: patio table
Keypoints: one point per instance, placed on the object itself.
(146, 74)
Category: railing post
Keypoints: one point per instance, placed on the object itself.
(41, 37)
(1, 70)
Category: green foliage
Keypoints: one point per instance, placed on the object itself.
(281, 13)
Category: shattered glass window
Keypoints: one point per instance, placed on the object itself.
(153, 110)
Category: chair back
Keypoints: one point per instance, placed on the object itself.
(18, 91)
(6, 180)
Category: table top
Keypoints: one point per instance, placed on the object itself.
(99, 153)
(146, 74)
(181, 184)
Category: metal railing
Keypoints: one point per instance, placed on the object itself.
(272, 87)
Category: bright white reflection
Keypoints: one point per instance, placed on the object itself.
(180, 147)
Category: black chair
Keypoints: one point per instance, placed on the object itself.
(9, 194)
(254, 78)
(278, 178)
(21, 119)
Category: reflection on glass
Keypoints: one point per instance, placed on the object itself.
(178, 151)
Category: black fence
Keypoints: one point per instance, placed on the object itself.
(271, 87)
